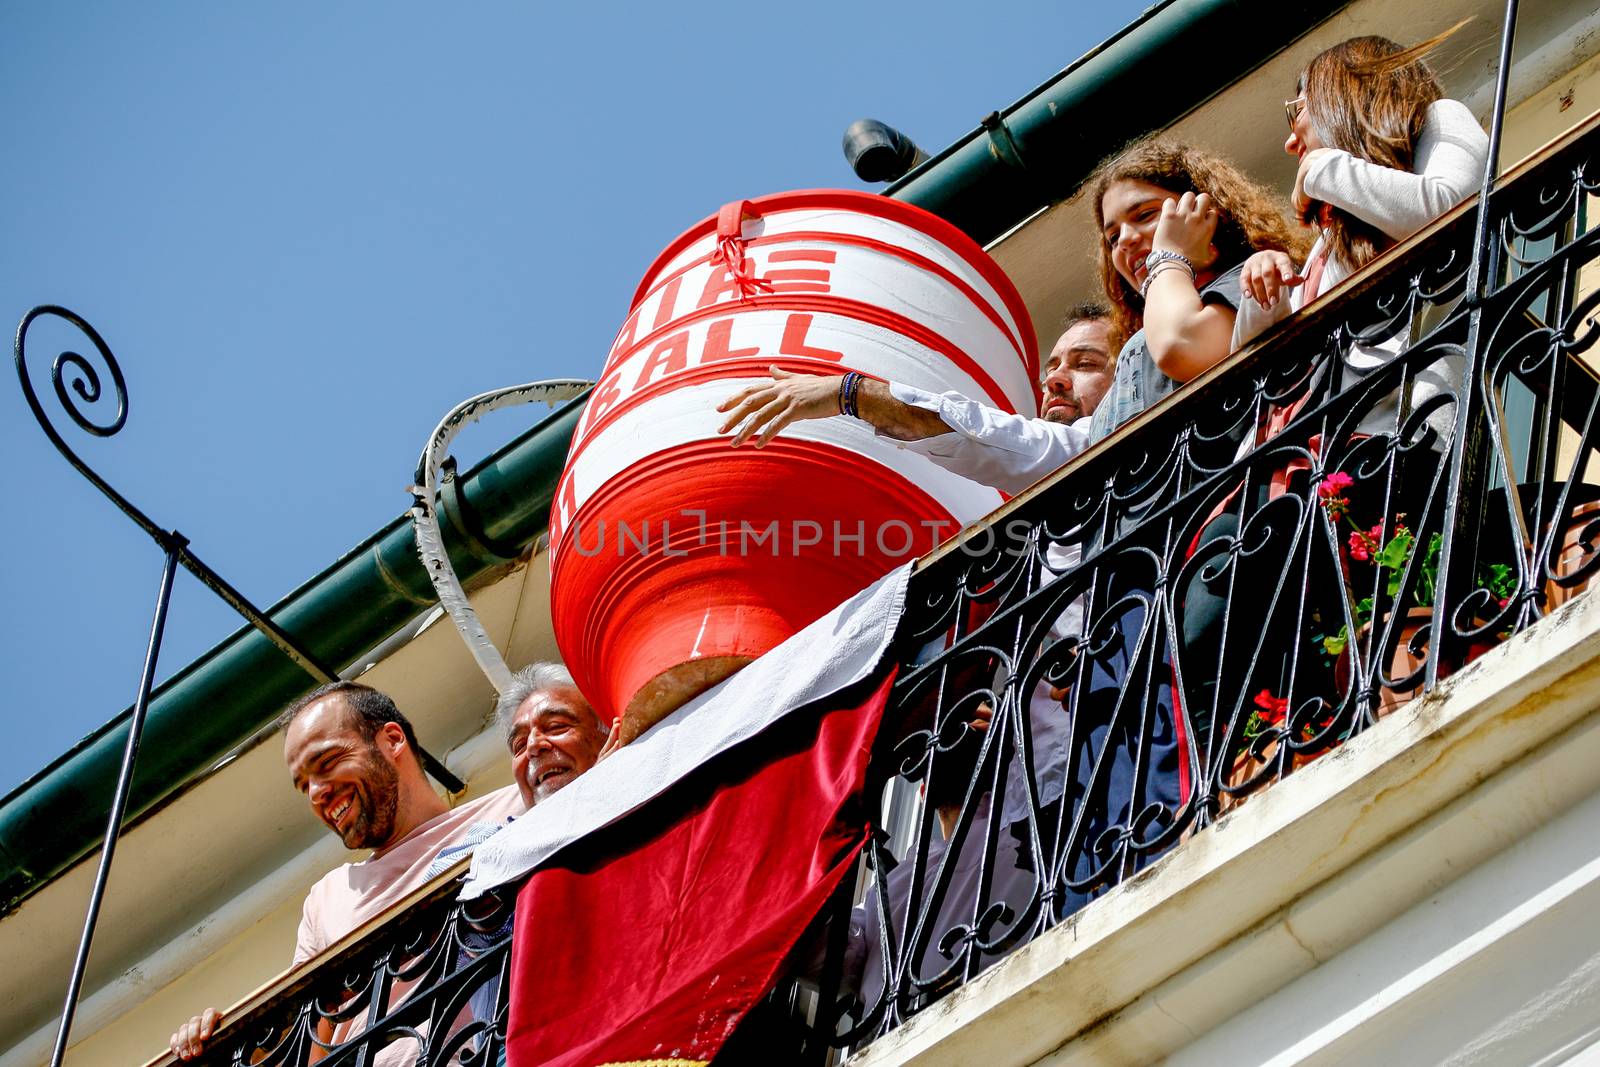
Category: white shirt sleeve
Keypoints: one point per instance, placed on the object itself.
(1448, 168)
(1008, 452)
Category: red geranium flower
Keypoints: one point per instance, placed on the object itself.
(1271, 709)
(1364, 545)
(1335, 483)
(1332, 486)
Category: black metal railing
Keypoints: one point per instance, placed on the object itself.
(100, 408)
(1390, 484)
(425, 984)
(1180, 618)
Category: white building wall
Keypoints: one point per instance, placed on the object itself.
(1500, 967)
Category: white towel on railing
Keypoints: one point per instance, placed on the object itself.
(838, 650)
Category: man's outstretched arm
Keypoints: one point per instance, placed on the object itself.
(968, 438)
(770, 406)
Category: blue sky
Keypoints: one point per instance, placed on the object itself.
(307, 229)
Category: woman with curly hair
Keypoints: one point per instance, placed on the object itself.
(1177, 224)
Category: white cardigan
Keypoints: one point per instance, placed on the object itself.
(1449, 161)
(1449, 168)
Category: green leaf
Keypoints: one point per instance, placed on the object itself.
(1500, 580)
(1363, 611)
(1397, 551)
(1428, 578)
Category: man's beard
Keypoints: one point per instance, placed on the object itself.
(377, 799)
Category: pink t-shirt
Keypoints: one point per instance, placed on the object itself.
(349, 895)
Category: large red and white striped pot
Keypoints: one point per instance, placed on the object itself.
(675, 558)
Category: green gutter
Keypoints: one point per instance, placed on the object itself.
(222, 699)
(1038, 151)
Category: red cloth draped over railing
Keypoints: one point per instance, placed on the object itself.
(675, 921)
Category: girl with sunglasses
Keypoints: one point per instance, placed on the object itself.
(1381, 154)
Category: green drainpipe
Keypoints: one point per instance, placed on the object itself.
(221, 699)
(1038, 151)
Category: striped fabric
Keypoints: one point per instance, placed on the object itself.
(476, 834)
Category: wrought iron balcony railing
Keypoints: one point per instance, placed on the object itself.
(424, 983)
(1209, 601)
(1178, 619)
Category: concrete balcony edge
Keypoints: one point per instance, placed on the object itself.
(1496, 751)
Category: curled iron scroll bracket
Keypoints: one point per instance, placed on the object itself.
(76, 379)
(71, 373)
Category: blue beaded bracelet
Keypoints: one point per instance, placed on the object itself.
(852, 386)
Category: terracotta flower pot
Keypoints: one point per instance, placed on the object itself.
(1403, 663)
(1246, 766)
(1568, 555)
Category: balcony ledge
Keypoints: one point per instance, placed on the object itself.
(1413, 809)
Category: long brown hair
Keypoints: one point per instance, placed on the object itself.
(1369, 96)
(1248, 216)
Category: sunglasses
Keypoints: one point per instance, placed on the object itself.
(1293, 108)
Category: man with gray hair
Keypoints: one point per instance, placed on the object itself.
(553, 733)
(554, 736)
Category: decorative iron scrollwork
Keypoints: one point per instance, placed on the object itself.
(1186, 617)
(76, 379)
